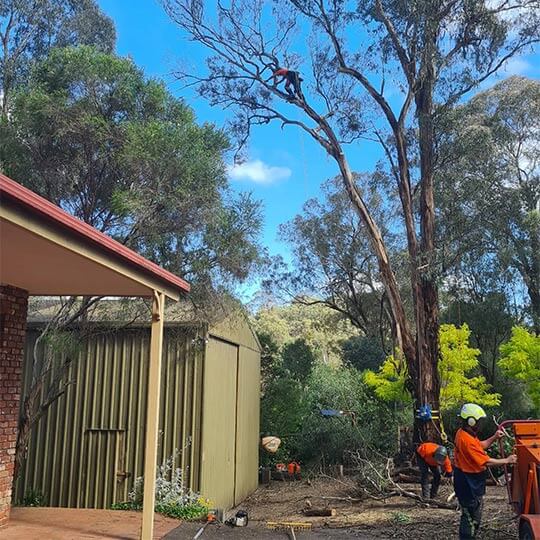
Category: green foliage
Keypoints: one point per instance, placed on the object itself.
(368, 425)
(520, 359)
(363, 352)
(389, 381)
(93, 135)
(33, 497)
(401, 518)
(186, 512)
(322, 329)
(291, 411)
(456, 365)
(489, 320)
(34, 28)
(488, 192)
(298, 359)
(283, 409)
(270, 357)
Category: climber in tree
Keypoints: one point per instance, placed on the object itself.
(292, 78)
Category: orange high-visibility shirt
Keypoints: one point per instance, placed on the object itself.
(281, 72)
(469, 456)
(426, 451)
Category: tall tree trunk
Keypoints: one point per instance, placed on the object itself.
(427, 310)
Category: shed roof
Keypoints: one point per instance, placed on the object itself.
(74, 258)
(230, 323)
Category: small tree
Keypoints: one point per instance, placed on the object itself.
(520, 359)
(457, 363)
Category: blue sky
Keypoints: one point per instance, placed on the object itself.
(284, 167)
(145, 33)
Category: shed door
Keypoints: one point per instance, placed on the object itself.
(103, 470)
(219, 423)
(247, 425)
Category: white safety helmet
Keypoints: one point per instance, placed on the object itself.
(472, 413)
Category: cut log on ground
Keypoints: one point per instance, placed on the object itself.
(320, 511)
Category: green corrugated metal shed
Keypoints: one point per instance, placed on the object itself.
(88, 449)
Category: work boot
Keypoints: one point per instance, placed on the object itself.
(425, 491)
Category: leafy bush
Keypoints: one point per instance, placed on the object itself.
(362, 352)
(283, 409)
(190, 511)
(292, 411)
(298, 359)
(367, 424)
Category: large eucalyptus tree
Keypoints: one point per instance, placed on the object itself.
(384, 69)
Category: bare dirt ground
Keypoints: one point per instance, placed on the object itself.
(397, 518)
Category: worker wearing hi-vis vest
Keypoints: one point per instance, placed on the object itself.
(470, 465)
(432, 457)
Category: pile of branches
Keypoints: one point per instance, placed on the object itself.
(376, 480)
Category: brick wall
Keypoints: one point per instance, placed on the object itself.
(13, 310)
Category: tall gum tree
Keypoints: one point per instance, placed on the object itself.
(431, 53)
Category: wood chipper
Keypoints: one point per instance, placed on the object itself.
(523, 483)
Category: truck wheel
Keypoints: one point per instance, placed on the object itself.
(525, 531)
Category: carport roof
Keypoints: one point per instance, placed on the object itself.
(47, 251)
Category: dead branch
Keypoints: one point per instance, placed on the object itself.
(377, 481)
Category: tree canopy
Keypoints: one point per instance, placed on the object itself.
(520, 358)
(30, 29)
(320, 327)
(93, 135)
(490, 188)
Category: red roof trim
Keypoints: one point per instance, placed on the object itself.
(42, 207)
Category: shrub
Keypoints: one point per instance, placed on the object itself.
(173, 497)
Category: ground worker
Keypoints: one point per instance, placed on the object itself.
(431, 457)
(470, 462)
(292, 78)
